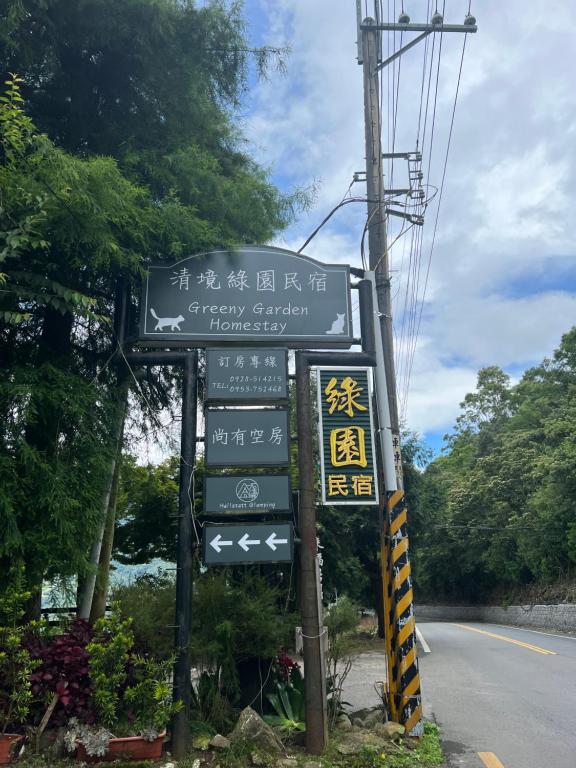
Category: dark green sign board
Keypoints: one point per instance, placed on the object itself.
(348, 463)
(246, 493)
(247, 437)
(244, 374)
(248, 543)
(257, 294)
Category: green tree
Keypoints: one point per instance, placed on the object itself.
(497, 508)
(69, 227)
(154, 84)
(147, 511)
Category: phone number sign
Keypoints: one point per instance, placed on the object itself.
(348, 463)
(241, 374)
(256, 293)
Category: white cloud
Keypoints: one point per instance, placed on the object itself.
(449, 386)
(498, 331)
(510, 188)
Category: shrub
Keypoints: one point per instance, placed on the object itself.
(16, 666)
(341, 620)
(149, 601)
(131, 694)
(108, 656)
(209, 707)
(236, 621)
(63, 669)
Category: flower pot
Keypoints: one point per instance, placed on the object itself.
(7, 743)
(125, 748)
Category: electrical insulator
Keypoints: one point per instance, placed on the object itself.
(403, 18)
(470, 20)
(437, 18)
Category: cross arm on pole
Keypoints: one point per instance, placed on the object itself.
(404, 48)
(425, 29)
(421, 27)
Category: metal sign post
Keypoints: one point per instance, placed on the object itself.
(181, 677)
(181, 306)
(181, 688)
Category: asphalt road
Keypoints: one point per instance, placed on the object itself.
(503, 697)
(501, 691)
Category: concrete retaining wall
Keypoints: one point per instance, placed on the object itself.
(553, 617)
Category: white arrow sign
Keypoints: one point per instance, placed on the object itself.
(217, 543)
(246, 543)
(272, 541)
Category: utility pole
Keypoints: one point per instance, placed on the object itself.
(403, 679)
(386, 396)
(377, 241)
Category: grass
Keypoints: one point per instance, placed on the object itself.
(411, 753)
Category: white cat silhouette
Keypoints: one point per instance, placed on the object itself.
(173, 322)
(338, 324)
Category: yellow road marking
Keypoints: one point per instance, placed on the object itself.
(490, 760)
(530, 647)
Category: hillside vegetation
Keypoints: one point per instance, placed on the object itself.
(494, 517)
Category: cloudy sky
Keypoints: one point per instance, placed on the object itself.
(501, 287)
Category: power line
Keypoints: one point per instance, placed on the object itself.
(440, 195)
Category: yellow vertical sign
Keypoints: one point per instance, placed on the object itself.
(348, 464)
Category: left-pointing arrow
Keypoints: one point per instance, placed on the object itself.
(246, 543)
(273, 540)
(217, 543)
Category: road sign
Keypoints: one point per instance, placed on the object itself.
(252, 493)
(255, 293)
(243, 374)
(248, 543)
(348, 465)
(247, 437)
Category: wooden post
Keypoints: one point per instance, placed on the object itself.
(314, 667)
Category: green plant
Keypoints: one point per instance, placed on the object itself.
(288, 703)
(108, 656)
(149, 601)
(16, 665)
(94, 739)
(210, 708)
(237, 618)
(427, 752)
(341, 621)
(131, 695)
(149, 697)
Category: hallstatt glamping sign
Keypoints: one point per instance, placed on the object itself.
(252, 293)
(246, 493)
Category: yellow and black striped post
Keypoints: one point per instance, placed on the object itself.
(403, 674)
(388, 619)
